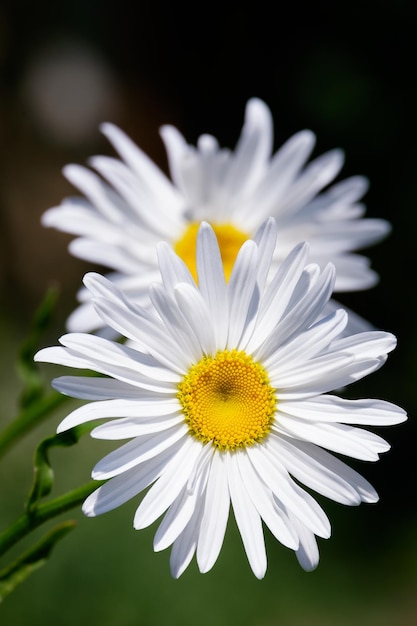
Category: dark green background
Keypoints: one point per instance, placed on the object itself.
(344, 70)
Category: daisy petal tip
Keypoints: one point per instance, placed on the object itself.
(88, 508)
(177, 569)
(108, 129)
(167, 130)
(61, 428)
(104, 126)
(47, 218)
(38, 356)
(259, 572)
(371, 498)
(206, 226)
(71, 171)
(309, 566)
(92, 278)
(257, 108)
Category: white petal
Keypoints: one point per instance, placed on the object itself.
(212, 282)
(295, 499)
(308, 552)
(315, 176)
(280, 291)
(184, 547)
(144, 167)
(118, 408)
(309, 343)
(247, 519)
(301, 462)
(172, 267)
(243, 294)
(181, 511)
(265, 238)
(128, 427)
(99, 194)
(324, 472)
(328, 408)
(93, 388)
(137, 451)
(354, 442)
(283, 168)
(253, 148)
(141, 200)
(117, 360)
(274, 517)
(166, 489)
(176, 323)
(194, 309)
(216, 513)
(325, 379)
(120, 489)
(176, 147)
(304, 308)
(371, 344)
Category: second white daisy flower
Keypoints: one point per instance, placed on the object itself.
(130, 205)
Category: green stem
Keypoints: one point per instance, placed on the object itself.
(42, 513)
(28, 418)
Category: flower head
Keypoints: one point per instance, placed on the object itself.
(130, 205)
(222, 390)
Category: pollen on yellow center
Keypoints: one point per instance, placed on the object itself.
(229, 238)
(228, 400)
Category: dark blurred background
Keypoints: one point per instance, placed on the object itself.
(344, 70)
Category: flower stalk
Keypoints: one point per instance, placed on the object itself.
(42, 513)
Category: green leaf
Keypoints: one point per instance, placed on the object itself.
(43, 474)
(16, 573)
(33, 386)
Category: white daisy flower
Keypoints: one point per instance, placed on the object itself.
(130, 205)
(223, 394)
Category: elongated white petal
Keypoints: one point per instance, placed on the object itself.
(212, 282)
(354, 442)
(185, 545)
(120, 489)
(94, 388)
(274, 475)
(216, 513)
(119, 408)
(242, 296)
(305, 307)
(181, 510)
(323, 472)
(169, 485)
(274, 517)
(195, 311)
(128, 427)
(247, 519)
(308, 552)
(137, 451)
(328, 408)
(172, 267)
(175, 322)
(141, 164)
(311, 342)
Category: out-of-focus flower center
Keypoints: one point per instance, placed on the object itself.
(228, 400)
(229, 238)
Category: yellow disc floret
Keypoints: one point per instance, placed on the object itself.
(228, 400)
(229, 238)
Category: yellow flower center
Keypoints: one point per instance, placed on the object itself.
(230, 240)
(228, 400)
